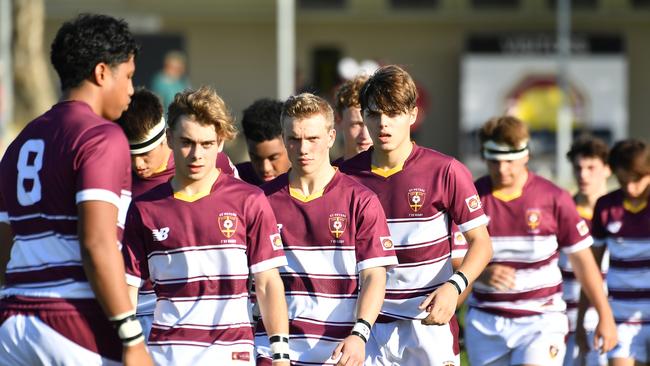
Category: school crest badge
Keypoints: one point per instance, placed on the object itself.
(276, 241)
(337, 225)
(227, 224)
(416, 198)
(533, 218)
(386, 242)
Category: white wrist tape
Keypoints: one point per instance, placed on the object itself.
(362, 329)
(128, 328)
(460, 281)
(279, 347)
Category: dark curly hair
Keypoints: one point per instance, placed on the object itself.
(86, 41)
(144, 113)
(630, 155)
(261, 121)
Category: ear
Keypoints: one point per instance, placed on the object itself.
(332, 137)
(101, 73)
(413, 115)
(168, 138)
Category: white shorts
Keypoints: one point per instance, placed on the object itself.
(496, 340)
(192, 355)
(27, 340)
(633, 342)
(409, 343)
(592, 358)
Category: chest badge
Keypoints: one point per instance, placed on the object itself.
(337, 224)
(416, 198)
(227, 224)
(533, 218)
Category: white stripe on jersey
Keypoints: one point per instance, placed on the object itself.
(68, 289)
(474, 223)
(418, 231)
(337, 310)
(630, 279)
(321, 262)
(582, 244)
(529, 280)
(523, 249)
(628, 248)
(552, 303)
(631, 311)
(268, 264)
(42, 216)
(204, 312)
(197, 261)
(96, 194)
(134, 281)
(377, 262)
(42, 250)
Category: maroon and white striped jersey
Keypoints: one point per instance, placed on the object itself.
(527, 231)
(146, 295)
(66, 156)
(571, 287)
(625, 231)
(328, 238)
(198, 251)
(420, 199)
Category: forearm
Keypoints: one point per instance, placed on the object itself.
(6, 243)
(371, 297)
(455, 264)
(478, 255)
(269, 291)
(102, 261)
(590, 278)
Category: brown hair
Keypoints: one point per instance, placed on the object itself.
(347, 95)
(306, 105)
(631, 155)
(205, 107)
(589, 147)
(144, 113)
(391, 89)
(505, 130)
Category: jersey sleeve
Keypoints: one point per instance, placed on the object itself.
(103, 167)
(463, 202)
(598, 230)
(134, 249)
(264, 243)
(573, 231)
(4, 214)
(374, 246)
(225, 164)
(459, 244)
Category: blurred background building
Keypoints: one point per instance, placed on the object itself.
(471, 59)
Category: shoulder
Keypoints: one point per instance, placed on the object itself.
(356, 163)
(276, 185)
(483, 185)
(614, 198)
(541, 185)
(346, 183)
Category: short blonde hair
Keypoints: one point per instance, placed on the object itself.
(205, 107)
(306, 105)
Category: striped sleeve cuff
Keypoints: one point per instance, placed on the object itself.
(458, 253)
(474, 223)
(95, 194)
(389, 262)
(269, 264)
(134, 281)
(582, 244)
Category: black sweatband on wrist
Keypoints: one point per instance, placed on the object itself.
(358, 334)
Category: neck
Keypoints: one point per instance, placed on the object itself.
(311, 183)
(589, 199)
(191, 187)
(516, 186)
(85, 93)
(391, 159)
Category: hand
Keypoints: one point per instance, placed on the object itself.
(352, 351)
(498, 276)
(605, 337)
(136, 355)
(441, 305)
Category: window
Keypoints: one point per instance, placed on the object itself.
(413, 4)
(495, 4)
(321, 4)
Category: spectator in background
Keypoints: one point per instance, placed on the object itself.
(171, 79)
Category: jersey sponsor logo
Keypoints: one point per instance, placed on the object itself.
(582, 227)
(160, 234)
(533, 218)
(276, 241)
(337, 224)
(227, 224)
(449, 363)
(553, 351)
(416, 198)
(473, 203)
(241, 356)
(459, 238)
(386, 242)
(614, 226)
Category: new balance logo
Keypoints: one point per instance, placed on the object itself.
(160, 234)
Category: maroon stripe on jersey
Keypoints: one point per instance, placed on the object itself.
(301, 327)
(528, 265)
(507, 313)
(304, 283)
(441, 250)
(39, 224)
(629, 264)
(629, 294)
(178, 333)
(403, 295)
(526, 295)
(212, 287)
(81, 321)
(74, 272)
(160, 249)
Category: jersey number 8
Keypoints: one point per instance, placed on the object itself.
(27, 171)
